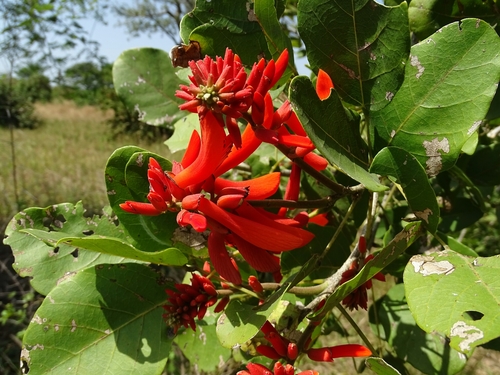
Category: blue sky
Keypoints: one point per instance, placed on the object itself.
(114, 39)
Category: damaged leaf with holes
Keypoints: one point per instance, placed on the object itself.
(48, 263)
(439, 302)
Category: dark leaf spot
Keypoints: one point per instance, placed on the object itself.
(88, 232)
(75, 253)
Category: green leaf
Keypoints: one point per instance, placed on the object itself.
(182, 134)
(145, 80)
(149, 233)
(111, 246)
(380, 367)
(432, 116)
(427, 352)
(362, 45)
(44, 262)
(105, 320)
(399, 164)
(455, 245)
(427, 16)
(202, 348)
(334, 130)
(388, 254)
(222, 24)
(455, 296)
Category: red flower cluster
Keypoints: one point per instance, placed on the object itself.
(194, 188)
(279, 369)
(222, 86)
(206, 201)
(359, 296)
(282, 348)
(191, 301)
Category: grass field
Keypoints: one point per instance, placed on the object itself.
(62, 161)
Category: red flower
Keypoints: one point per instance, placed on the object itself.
(190, 301)
(329, 353)
(279, 369)
(221, 86)
(359, 296)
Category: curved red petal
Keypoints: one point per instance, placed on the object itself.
(258, 258)
(258, 230)
(140, 208)
(221, 259)
(249, 143)
(213, 150)
(324, 85)
(350, 350)
(258, 188)
(192, 150)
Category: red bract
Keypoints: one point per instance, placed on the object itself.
(279, 369)
(329, 353)
(189, 302)
(324, 85)
(221, 86)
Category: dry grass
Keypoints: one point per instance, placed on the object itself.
(62, 161)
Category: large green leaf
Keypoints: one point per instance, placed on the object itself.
(399, 164)
(112, 246)
(432, 115)
(145, 80)
(105, 320)
(380, 367)
(361, 44)
(427, 16)
(47, 264)
(427, 352)
(334, 130)
(217, 25)
(202, 347)
(455, 296)
(126, 179)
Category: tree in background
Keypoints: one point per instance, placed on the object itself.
(154, 16)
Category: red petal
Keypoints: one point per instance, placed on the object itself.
(320, 354)
(281, 65)
(268, 352)
(258, 188)
(294, 124)
(213, 151)
(258, 230)
(249, 143)
(221, 259)
(350, 350)
(257, 258)
(320, 220)
(258, 369)
(192, 150)
(324, 85)
(316, 161)
(140, 208)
